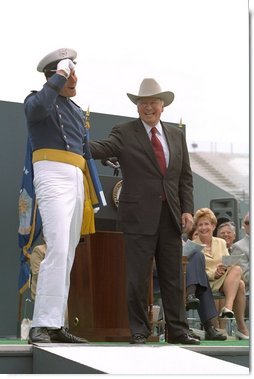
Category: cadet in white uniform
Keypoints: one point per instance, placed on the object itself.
(57, 134)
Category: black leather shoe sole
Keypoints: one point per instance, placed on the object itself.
(138, 340)
(185, 340)
(64, 336)
(215, 337)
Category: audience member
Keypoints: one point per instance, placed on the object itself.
(222, 278)
(242, 247)
(227, 231)
(199, 294)
(193, 233)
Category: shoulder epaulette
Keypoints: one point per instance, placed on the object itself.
(33, 92)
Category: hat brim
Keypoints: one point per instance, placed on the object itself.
(167, 97)
(51, 59)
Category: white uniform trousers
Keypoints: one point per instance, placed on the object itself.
(59, 191)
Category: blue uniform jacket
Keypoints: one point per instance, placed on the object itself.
(54, 121)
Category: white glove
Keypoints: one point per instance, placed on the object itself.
(66, 65)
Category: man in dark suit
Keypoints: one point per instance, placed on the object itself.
(155, 207)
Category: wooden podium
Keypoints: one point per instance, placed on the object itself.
(97, 301)
(97, 306)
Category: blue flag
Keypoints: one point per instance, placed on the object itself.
(30, 224)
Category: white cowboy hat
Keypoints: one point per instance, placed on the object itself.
(150, 88)
(49, 62)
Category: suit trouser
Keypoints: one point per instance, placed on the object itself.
(196, 274)
(60, 194)
(166, 247)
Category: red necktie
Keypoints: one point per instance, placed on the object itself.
(158, 149)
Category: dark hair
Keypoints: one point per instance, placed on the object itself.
(49, 73)
(191, 232)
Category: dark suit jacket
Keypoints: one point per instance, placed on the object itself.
(143, 183)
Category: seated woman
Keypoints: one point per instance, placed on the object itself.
(199, 294)
(222, 278)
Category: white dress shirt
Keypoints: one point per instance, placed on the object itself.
(160, 134)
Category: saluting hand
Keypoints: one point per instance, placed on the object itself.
(65, 65)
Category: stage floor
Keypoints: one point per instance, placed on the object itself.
(210, 357)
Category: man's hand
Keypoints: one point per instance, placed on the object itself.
(64, 67)
(187, 222)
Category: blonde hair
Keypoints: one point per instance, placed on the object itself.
(205, 212)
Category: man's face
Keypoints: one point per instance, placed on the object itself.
(227, 234)
(150, 109)
(69, 89)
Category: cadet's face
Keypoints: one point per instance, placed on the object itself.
(150, 109)
(69, 89)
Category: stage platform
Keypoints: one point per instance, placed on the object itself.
(220, 358)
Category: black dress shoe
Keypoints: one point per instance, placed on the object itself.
(39, 335)
(213, 334)
(192, 302)
(62, 335)
(185, 339)
(138, 339)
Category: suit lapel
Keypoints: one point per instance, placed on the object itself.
(171, 141)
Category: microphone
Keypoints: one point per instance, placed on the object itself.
(111, 162)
